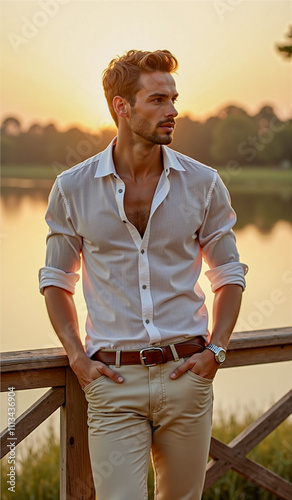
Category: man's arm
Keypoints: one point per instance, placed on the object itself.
(226, 307)
(63, 315)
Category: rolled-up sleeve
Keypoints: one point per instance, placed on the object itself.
(218, 242)
(63, 245)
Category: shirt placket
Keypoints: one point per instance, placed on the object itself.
(142, 247)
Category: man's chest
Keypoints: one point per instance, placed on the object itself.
(106, 213)
(138, 201)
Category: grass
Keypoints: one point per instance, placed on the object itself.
(274, 453)
(38, 470)
(28, 172)
(257, 179)
(37, 474)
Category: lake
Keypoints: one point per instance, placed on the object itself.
(264, 238)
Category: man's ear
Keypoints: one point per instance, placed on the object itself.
(120, 106)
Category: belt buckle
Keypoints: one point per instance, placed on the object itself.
(142, 357)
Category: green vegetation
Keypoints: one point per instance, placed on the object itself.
(28, 172)
(38, 470)
(286, 50)
(252, 180)
(37, 475)
(233, 136)
(274, 453)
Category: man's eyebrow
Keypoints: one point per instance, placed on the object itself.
(161, 94)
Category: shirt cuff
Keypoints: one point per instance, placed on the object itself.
(51, 276)
(231, 273)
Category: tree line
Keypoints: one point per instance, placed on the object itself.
(233, 137)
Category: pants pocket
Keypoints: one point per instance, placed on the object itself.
(207, 381)
(94, 382)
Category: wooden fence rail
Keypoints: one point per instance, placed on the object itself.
(49, 368)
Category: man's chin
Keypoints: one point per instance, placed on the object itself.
(164, 139)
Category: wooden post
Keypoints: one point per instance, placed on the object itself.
(76, 481)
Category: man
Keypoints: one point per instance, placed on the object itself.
(142, 216)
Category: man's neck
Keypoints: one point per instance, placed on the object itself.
(137, 159)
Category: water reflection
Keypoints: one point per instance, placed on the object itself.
(261, 210)
(24, 322)
(13, 197)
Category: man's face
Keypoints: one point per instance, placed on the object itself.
(152, 116)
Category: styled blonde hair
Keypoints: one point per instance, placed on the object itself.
(121, 77)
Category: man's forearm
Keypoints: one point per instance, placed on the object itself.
(63, 315)
(226, 308)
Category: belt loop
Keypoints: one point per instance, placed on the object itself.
(118, 359)
(174, 352)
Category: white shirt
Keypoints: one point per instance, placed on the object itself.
(141, 291)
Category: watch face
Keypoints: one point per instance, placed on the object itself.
(221, 356)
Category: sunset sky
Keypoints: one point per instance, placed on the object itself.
(54, 52)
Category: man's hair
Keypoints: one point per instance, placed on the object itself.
(121, 77)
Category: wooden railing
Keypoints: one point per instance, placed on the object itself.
(49, 368)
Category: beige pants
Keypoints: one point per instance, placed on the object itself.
(149, 412)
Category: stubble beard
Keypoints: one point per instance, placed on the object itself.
(142, 128)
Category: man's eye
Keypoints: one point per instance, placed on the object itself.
(157, 99)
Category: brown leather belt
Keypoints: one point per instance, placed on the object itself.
(150, 356)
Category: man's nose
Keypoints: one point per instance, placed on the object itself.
(171, 110)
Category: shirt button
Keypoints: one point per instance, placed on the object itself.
(124, 221)
(144, 287)
(142, 251)
(147, 321)
(120, 190)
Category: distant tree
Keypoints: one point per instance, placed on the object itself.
(269, 147)
(266, 113)
(285, 138)
(206, 139)
(35, 129)
(11, 126)
(286, 49)
(53, 144)
(194, 138)
(231, 110)
(7, 144)
(186, 135)
(230, 137)
(50, 129)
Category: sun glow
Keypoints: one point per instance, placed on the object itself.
(54, 53)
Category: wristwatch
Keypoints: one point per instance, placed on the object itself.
(220, 353)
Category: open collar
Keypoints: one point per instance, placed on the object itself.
(106, 164)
